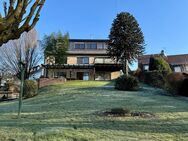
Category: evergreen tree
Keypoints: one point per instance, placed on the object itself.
(56, 45)
(157, 62)
(126, 40)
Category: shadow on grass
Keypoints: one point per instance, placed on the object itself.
(150, 126)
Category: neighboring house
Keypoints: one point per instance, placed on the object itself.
(36, 73)
(86, 60)
(178, 63)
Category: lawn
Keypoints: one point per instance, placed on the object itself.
(68, 113)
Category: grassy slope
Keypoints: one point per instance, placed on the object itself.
(67, 112)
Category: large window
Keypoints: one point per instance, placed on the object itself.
(177, 69)
(82, 60)
(85, 76)
(60, 74)
(79, 46)
(186, 68)
(92, 46)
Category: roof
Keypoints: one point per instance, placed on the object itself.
(180, 59)
(101, 67)
(144, 59)
(88, 40)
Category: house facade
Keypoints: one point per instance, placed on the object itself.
(178, 63)
(86, 60)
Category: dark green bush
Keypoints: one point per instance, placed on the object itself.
(184, 88)
(137, 73)
(118, 112)
(174, 82)
(178, 84)
(158, 63)
(126, 83)
(155, 78)
(30, 88)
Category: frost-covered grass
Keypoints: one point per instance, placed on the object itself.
(68, 113)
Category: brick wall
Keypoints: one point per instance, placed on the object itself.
(42, 82)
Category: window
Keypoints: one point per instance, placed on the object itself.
(85, 60)
(85, 76)
(79, 46)
(146, 67)
(60, 74)
(92, 46)
(177, 69)
(82, 60)
(186, 68)
(105, 46)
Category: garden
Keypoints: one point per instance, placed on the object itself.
(72, 112)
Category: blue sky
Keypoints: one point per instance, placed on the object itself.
(163, 22)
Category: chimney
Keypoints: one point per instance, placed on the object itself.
(163, 53)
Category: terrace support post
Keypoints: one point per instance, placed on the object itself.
(94, 73)
(22, 66)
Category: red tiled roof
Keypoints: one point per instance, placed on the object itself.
(171, 59)
(144, 59)
(178, 59)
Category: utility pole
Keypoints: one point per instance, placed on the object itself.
(22, 71)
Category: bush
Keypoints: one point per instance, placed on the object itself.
(137, 73)
(126, 83)
(158, 63)
(30, 88)
(118, 112)
(184, 88)
(177, 83)
(14, 87)
(155, 78)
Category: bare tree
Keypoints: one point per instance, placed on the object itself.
(17, 18)
(25, 49)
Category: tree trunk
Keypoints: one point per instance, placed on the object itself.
(21, 91)
(126, 67)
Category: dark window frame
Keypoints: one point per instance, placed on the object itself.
(80, 60)
(91, 45)
(79, 46)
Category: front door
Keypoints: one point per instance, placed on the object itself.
(82, 75)
(79, 75)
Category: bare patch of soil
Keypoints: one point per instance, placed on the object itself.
(121, 112)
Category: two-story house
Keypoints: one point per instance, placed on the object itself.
(178, 63)
(86, 60)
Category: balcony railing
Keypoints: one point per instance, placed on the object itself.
(104, 61)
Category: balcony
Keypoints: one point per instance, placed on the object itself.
(104, 61)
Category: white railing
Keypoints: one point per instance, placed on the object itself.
(104, 61)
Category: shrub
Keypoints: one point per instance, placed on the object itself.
(30, 88)
(117, 112)
(14, 87)
(126, 83)
(137, 73)
(158, 63)
(177, 83)
(155, 78)
(184, 88)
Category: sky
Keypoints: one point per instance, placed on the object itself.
(163, 22)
